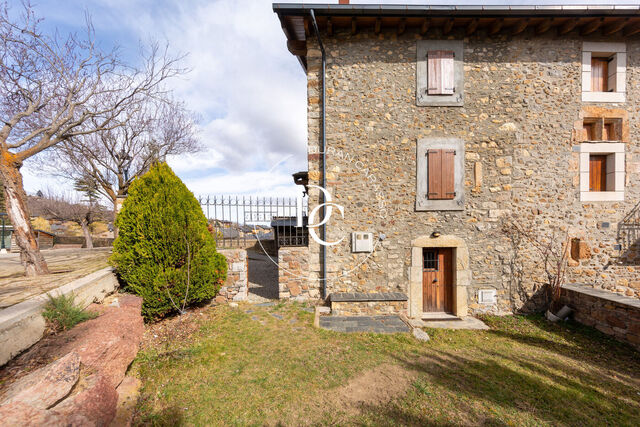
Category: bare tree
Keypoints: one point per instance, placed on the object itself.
(113, 158)
(54, 89)
(550, 247)
(65, 207)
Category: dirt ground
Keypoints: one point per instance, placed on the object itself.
(65, 265)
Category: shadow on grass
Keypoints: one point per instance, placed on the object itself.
(574, 376)
(170, 416)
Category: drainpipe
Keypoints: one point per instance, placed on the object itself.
(323, 249)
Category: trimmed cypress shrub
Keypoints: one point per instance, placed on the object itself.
(164, 251)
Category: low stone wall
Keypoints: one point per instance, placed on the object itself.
(22, 325)
(293, 274)
(611, 314)
(368, 308)
(236, 288)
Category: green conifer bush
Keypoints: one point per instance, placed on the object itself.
(164, 251)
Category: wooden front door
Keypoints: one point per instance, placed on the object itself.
(437, 280)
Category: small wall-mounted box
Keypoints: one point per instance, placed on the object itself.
(361, 242)
(487, 296)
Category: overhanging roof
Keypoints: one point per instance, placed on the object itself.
(608, 20)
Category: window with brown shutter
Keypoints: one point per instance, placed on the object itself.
(599, 74)
(597, 172)
(440, 72)
(441, 170)
(589, 131)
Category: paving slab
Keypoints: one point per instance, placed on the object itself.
(376, 324)
(461, 323)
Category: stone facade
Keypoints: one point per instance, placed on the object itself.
(293, 271)
(611, 314)
(521, 123)
(236, 288)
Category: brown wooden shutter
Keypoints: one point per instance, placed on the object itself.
(435, 174)
(441, 166)
(599, 74)
(440, 72)
(448, 174)
(597, 172)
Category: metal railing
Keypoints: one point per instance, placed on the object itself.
(629, 231)
(240, 221)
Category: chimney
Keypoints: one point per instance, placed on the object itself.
(343, 1)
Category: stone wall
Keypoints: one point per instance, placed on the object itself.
(236, 288)
(293, 272)
(611, 314)
(519, 123)
(368, 308)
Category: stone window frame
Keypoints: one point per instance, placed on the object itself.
(423, 203)
(423, 99)
(619, 50)
(615, 157)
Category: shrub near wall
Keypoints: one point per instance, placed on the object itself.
(163, 249)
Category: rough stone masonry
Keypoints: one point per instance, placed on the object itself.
(520, 123)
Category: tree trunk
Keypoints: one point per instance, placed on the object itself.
(87, 234)
(15, 200)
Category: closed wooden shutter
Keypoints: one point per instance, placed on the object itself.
(597, 172)
(440, 72)
(441, 166)
(599, 74)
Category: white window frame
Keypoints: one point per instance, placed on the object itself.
(615, 171)
(617, 71)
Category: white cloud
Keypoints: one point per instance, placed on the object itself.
(249, 90)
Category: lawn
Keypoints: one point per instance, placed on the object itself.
(268, 366)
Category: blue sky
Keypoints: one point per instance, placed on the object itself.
(248, 89)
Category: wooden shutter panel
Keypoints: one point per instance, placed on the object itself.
(599, 74)
(448, 174)
(435, 174)
(441, 179)
(440, 72)
(597, 172)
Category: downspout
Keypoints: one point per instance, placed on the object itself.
(323, 249)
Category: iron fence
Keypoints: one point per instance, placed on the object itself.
(240, 221)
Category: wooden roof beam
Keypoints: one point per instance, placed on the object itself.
(496, 26)
(591, 26)
(297, 47)
(402, 25)
(544, 26)
(631, 30)
(472, 27)
(425, 26)
(329, 26)
(568, 26)
(520, 26)
(448, 25)
(378, 25)
(614, 27)
(354, 26)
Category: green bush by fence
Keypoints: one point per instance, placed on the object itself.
(163, 251)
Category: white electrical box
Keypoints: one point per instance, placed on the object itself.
(487, 296)
(361, 242)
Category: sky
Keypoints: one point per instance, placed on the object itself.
(248, 89)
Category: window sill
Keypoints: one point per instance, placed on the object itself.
(603, 97)
(602, 196)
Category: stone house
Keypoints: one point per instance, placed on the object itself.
(443, 124)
